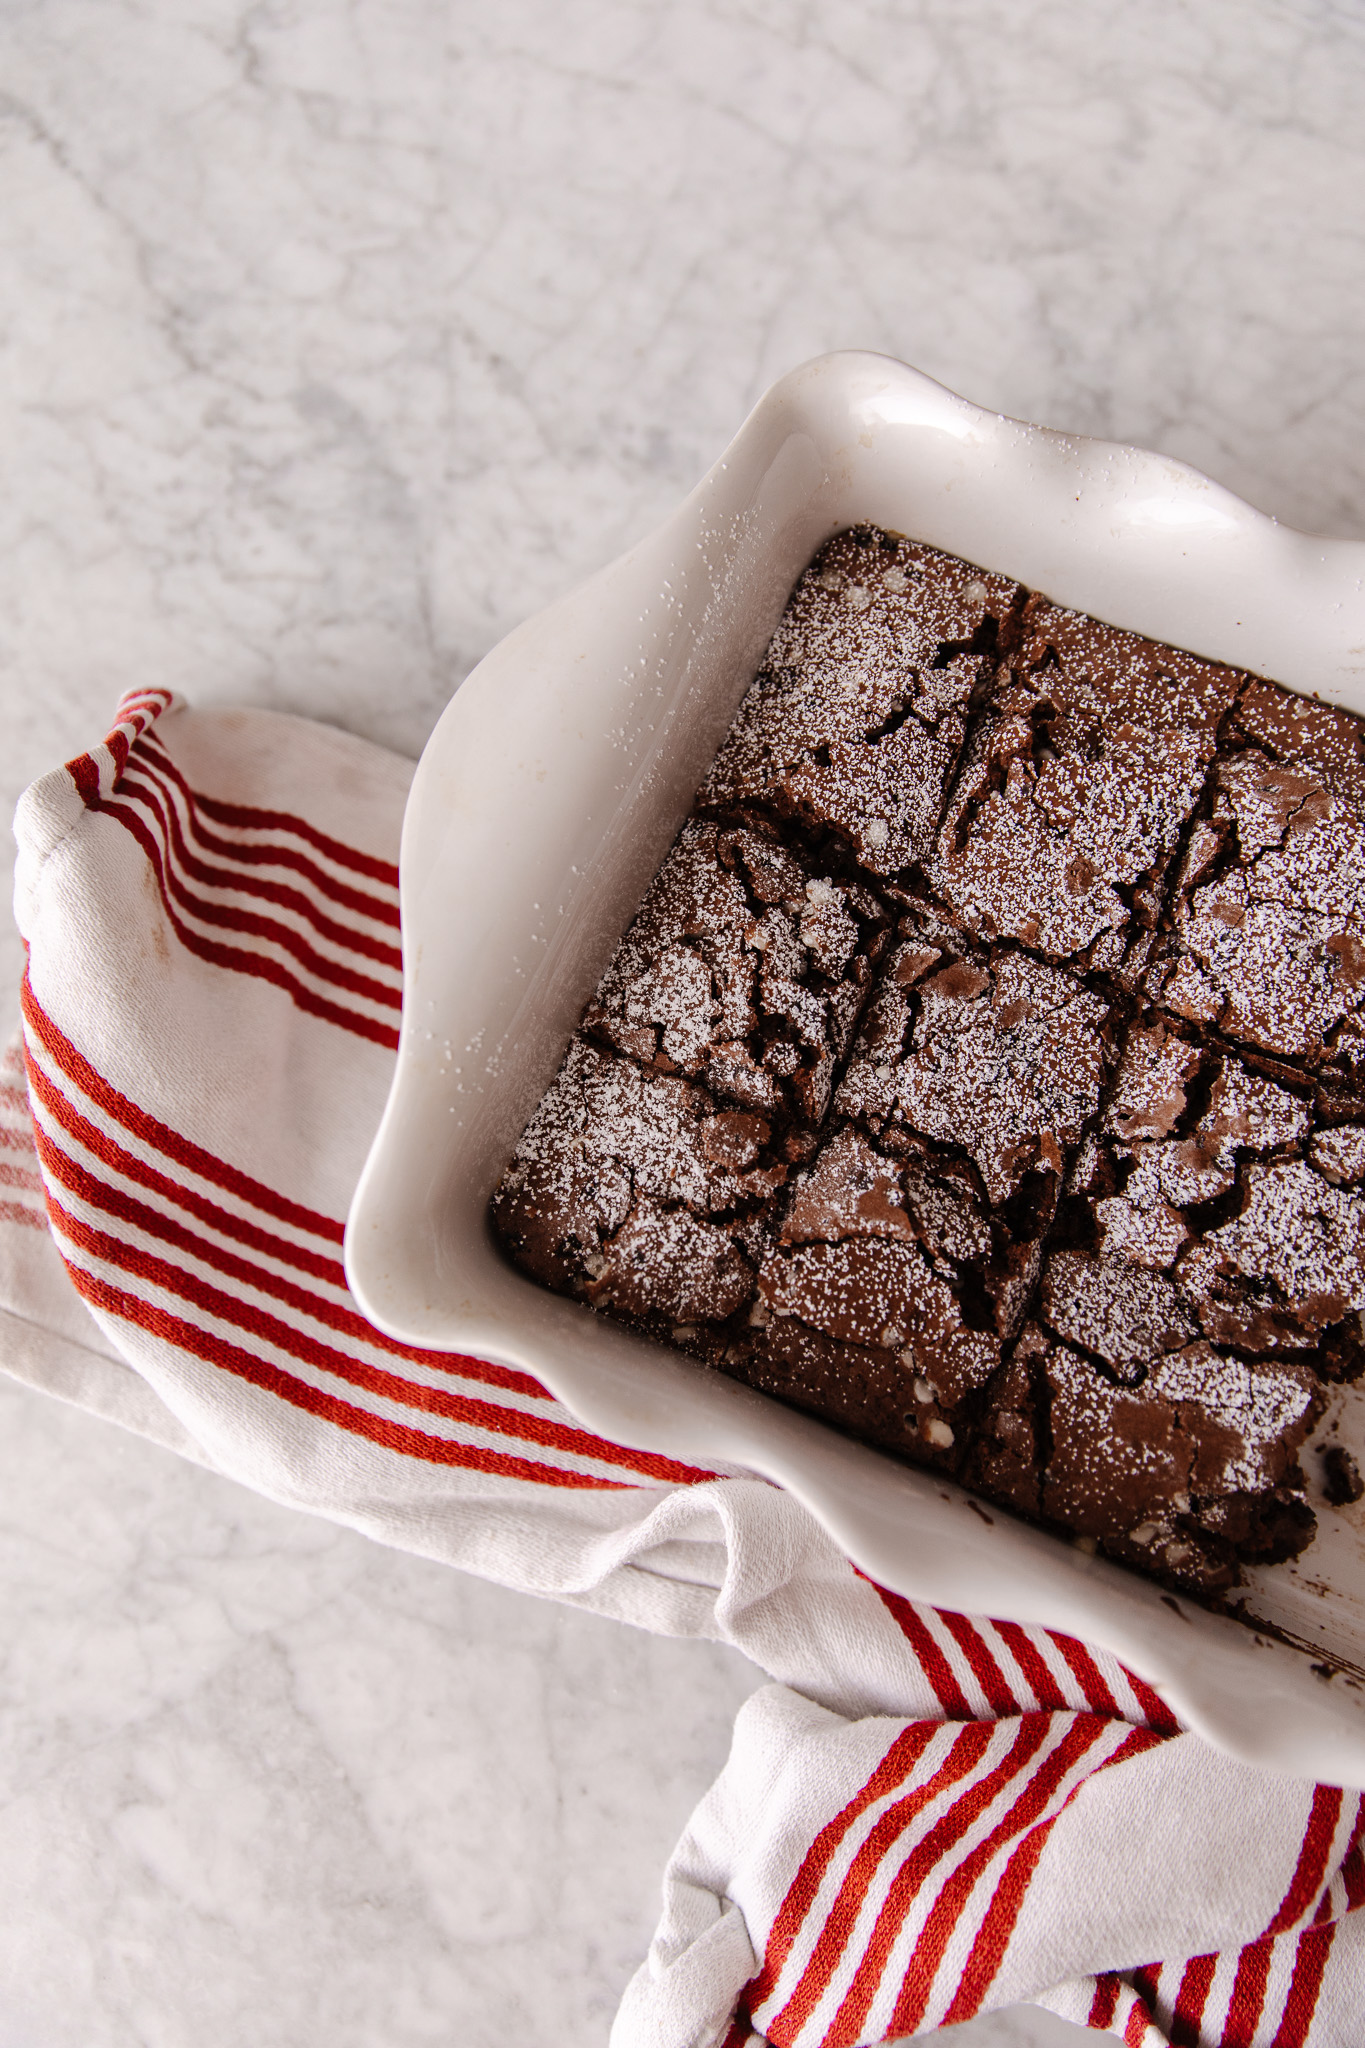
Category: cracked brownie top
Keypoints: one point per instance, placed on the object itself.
(983, 1069)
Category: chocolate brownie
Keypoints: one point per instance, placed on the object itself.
(1081, 775)
(858, 716)
(907, 1251)
(1267, 944)
(1181, 1472)
(984, 1070)
(1206, 1277)
(743, 968)
(640, 1193)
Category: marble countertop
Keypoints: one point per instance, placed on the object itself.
(334, 340)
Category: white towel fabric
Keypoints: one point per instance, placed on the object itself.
(925, 1816)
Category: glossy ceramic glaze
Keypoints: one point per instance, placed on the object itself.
(544, 803)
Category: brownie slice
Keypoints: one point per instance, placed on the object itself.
(1079, 779)
(743, 969)
(1207, 1275)
(1182, 1471)
(645, 1182)
(1268, 932)
(906, 1251)
(640, 1194)
(856, 720)
(981, 1048)
(869, 1300)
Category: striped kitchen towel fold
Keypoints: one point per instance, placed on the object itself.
(925, 1816)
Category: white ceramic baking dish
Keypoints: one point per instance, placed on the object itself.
(545, 801)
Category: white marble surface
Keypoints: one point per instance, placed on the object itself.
(263, 1781)
(332, 340)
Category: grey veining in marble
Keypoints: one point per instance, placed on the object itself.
(333, 339)
(338, 337)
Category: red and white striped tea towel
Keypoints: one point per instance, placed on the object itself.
(926, 1816)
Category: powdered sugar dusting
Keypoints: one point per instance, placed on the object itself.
(982, 1069)
(858, 715)
(1077, 785)
(999, 1054)
(1271, 949)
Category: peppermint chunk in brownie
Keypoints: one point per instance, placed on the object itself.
(857, 718)
(1078, 782)
(743, 969)
(1268, 941)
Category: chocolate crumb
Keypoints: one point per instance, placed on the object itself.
(1341, 1480)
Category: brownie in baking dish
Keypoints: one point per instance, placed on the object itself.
(984, 1071)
